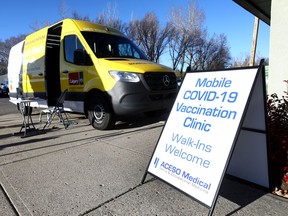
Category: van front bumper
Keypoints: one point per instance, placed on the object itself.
(130, 98)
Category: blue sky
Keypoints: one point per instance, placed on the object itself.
(222, 16)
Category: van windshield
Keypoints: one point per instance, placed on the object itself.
(107, 46)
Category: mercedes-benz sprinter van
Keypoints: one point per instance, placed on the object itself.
(105, 73)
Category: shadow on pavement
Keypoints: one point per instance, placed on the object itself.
(25, 142)
(240, 192)
(137, 121)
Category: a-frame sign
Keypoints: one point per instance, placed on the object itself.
(214, 113)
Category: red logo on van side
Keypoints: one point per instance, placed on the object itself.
(76, 78)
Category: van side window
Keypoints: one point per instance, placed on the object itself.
(74, 51)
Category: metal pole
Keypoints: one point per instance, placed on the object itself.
(254, 42)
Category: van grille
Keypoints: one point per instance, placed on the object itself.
(160, 80)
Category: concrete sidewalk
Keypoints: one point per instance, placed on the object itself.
(82, 171)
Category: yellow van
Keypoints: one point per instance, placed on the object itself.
(105, 73)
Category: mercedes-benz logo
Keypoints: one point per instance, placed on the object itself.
(166, 80)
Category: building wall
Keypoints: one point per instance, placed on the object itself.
(278, 59)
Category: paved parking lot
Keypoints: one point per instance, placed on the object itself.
(82, 171)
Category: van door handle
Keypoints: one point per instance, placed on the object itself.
(65, 71)
(40, 74)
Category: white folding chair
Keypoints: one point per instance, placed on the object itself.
(57, 110)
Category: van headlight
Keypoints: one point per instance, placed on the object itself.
(124, 76)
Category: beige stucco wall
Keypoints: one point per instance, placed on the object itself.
(278, 59)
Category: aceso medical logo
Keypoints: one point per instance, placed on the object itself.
(156, 162)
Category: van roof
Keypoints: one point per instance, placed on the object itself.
(93, 27)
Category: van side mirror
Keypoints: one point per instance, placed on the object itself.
(82, 58)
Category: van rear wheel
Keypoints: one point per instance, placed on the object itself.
(100, 114)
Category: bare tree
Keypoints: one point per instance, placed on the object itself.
(243, 61)
(186, 27)
(110, 18)
(149, 36)
(3, 67)
(193, 52)
(214, 54)
(63, 9)
(39, 25)
(5, 49)
(77, 16)
(113, 23)
(240, 61)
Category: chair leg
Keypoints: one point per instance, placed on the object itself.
(62, 116)
(49, 120)
(64, 119)
(40, 116)
(67, 120)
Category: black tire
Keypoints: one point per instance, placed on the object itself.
(100, 114)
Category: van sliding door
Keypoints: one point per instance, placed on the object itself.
(52, 65)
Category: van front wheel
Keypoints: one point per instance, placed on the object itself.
(100, 114)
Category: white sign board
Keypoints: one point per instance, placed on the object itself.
(197, 140)
(249, 160)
